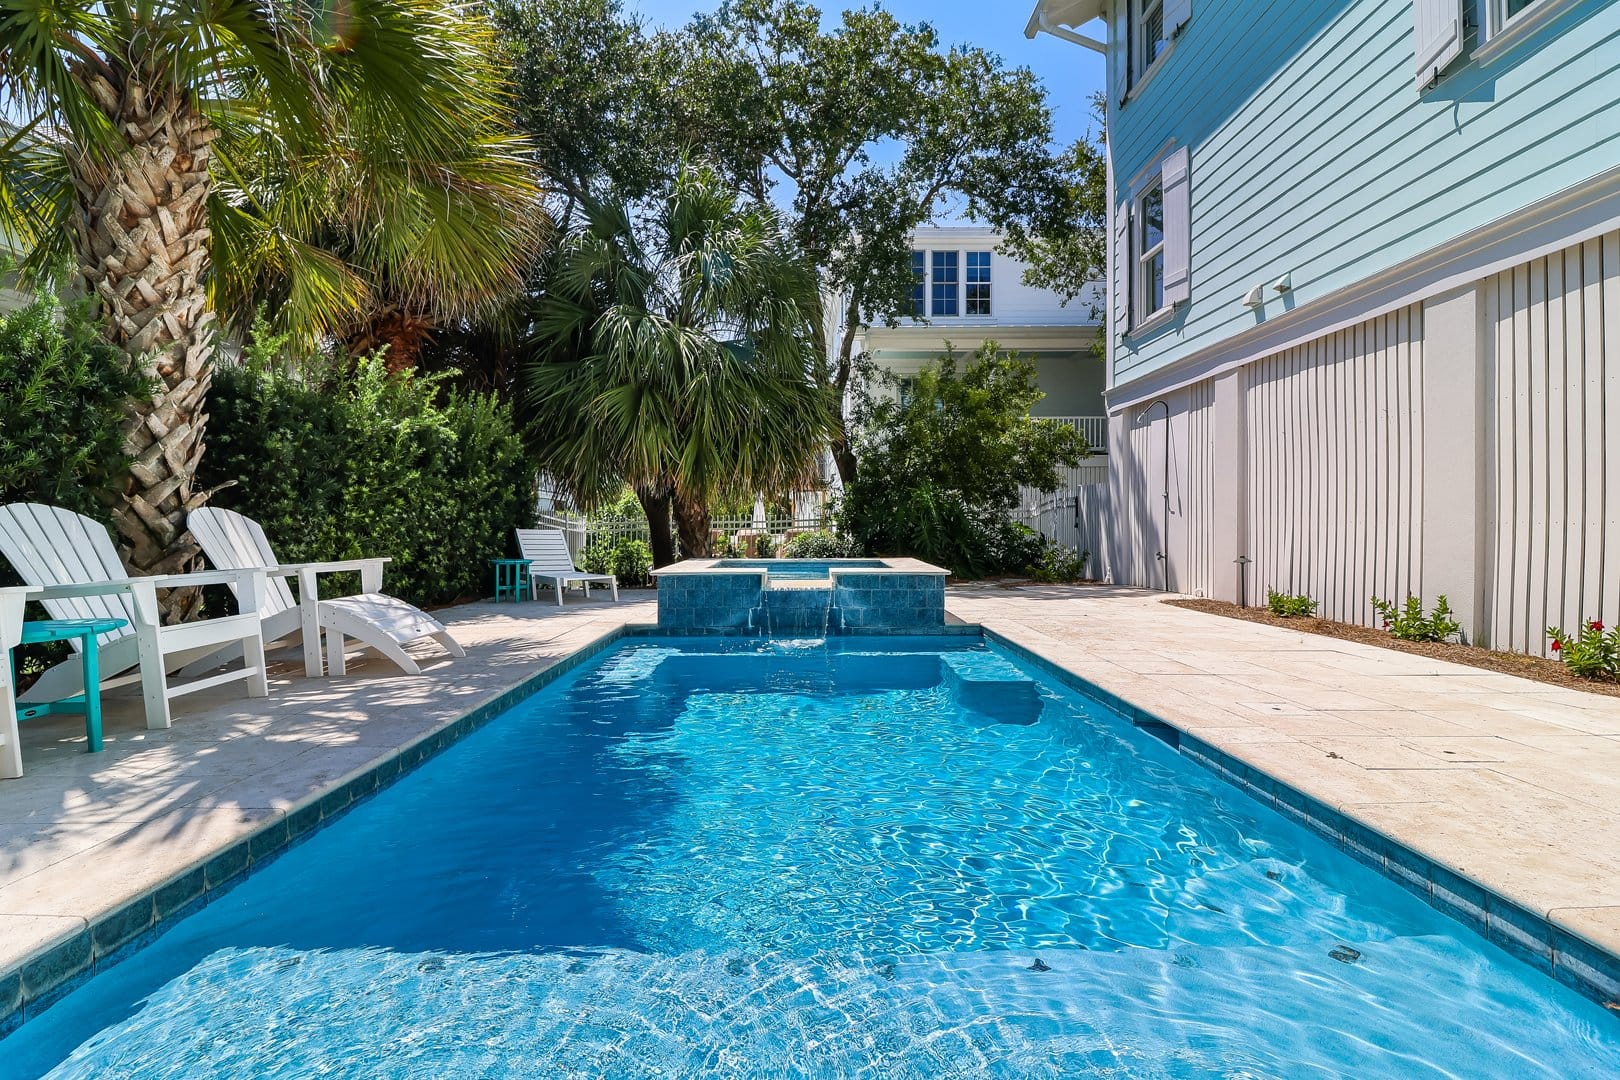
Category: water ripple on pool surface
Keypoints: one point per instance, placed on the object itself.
(740, 858)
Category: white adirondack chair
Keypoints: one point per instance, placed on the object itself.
(378, 622)
(551, 562)
(74, 558)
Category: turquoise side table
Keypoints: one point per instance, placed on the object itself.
(89, 702)
(512, 579)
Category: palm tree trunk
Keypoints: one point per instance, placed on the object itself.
(143, 248)
(692, 525)
(655, 504)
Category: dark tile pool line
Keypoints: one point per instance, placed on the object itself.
(1529, 937)
(59, 969)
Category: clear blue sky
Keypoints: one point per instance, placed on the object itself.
(1070, 72)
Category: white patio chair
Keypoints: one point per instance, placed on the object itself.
(551, 562)
(50, 546)
(382, 623)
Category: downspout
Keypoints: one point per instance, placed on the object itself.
(1163, 554)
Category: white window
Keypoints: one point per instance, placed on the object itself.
(1499, 13)
(978, 283)
(1148, 36)
(946, 292)
(1147, 245)
(919, 284)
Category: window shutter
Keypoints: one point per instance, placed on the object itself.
(1123, 268)
(1177, 228)
(1176, 14)
(1438, 38)
(1119, 49)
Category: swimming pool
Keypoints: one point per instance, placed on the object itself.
(861, 856)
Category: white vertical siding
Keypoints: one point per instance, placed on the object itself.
(1335, 484)
(1199, 574)
(1553, 339)
(1137, 451)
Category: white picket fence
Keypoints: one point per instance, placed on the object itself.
(1074, 517)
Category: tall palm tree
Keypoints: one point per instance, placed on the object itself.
(676, 354)
(142, 129)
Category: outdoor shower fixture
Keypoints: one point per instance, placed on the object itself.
(1164, 521)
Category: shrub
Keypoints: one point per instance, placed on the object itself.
(819, 544)
(66, 393)
(1290, 605)
(628, 559)
(355, 462)
(1059, 563)
(766, 546)
(1594, 653)
(940, 470)
(1409, 623)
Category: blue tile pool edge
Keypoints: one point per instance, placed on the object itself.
(1536, 940)
(58, 969)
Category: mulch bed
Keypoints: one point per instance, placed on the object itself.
(1537, 668)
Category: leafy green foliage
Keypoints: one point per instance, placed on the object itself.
(674, 353)
(65, 393)
(817, 544)
(942, 469)
(359, 463)
(1594, 653)
(1409, 623)
(1290, 605)
(876, 129)
(629, 559)
(1059, 564)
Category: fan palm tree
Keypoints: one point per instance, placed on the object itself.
(161, 146)
(676, 354)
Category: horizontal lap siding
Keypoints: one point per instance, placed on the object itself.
(1313, 154)
(1553, 338)
(1335, 481)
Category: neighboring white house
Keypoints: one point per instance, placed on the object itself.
(969, 291)
(1365, 301)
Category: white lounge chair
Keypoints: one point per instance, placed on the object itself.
(50, 546)
(379, 622)
(551, 562)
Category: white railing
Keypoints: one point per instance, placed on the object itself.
(1093, 428)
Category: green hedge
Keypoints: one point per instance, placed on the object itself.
(365, 464)
(65, 394)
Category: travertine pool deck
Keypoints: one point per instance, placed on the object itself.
(1509, 784)
(84, 835)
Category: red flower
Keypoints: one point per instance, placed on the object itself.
(1386, 624)
(1557, 644)
(1594, 624)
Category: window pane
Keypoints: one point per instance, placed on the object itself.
(919, 281)
(1152, 219)
(978, 283)
(1516, 6)
(1155, 283)
(946, 282)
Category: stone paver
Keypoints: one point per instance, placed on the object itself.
(82, 834)
(1512, 784)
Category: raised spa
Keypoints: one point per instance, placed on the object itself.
(800, 597)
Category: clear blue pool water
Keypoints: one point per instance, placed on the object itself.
(729, 857)
(799, 568)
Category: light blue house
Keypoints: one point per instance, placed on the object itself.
(1365, 301)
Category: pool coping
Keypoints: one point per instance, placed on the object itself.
(1539, 941)
(56, 969)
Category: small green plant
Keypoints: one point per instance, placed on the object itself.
(726, 547)
(1291, 605)
(1059, 563)
(1409, 623)
(628, 559)
(820, 544)
(765, 546)
(1594, 653)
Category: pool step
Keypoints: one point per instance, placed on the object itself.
(991, 685)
